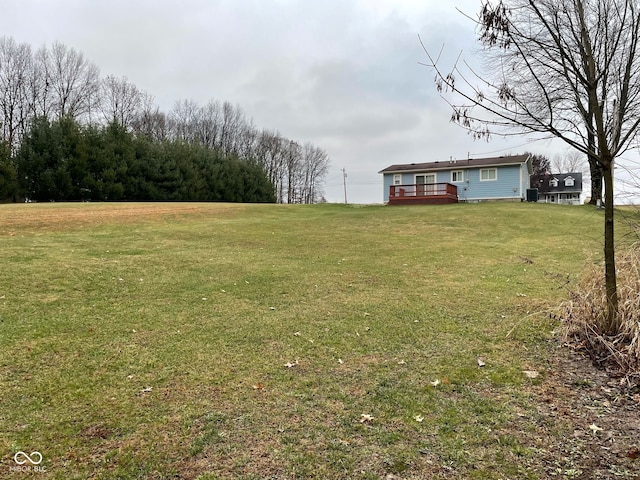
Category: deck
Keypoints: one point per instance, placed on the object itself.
(423, 194)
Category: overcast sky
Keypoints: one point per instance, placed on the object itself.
(342, 74)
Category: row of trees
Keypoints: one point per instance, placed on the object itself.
(58, 82)
(64, 161)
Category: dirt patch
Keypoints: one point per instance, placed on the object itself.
(591, 421)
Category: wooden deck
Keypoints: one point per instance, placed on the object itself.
(423, 194)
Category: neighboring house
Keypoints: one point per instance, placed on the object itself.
(561, 188)
(473, 180)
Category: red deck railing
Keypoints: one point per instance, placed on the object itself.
(424, 193)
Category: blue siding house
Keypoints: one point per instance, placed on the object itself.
(472, 180)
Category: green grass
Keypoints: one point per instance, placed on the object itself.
(154, 346)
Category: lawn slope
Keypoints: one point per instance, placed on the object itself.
(221, 341)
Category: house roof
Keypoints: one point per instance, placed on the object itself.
(457, 164)
(542, 183)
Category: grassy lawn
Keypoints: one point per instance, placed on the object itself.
(258, 341)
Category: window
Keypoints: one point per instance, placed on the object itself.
(397, 179)
(457, 176)
(553, 182)
(488, 174)
(568, 182)
(426, 178)
(424, 184)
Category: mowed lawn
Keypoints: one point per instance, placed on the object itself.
(220, 341)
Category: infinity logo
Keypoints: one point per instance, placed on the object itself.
(27, 458)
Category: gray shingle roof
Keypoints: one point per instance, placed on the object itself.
(542, 183)
(458, 164)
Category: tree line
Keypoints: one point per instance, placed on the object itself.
(56, 87)
(65, 161)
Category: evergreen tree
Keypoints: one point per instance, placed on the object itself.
(8, 175)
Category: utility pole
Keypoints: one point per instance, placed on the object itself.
(344, 181)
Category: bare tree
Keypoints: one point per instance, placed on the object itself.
(248, 143)
(571, 161)
(39, 87)
(270, 155)
(15, 70)
(565, 68)
(183, 120)
(315, 164)
(234, 124)
(74, 81)
(120, 100)
(149, 120)
(208, 125)
(292, 158)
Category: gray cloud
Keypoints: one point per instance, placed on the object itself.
(343, 74)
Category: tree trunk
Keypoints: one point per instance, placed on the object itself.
(596, 181)
(612, 322)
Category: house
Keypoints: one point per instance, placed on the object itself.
(471, 180)
(561, 188)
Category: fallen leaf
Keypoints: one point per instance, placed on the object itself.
(418, 418)
(340, 361)
(435, 383)
(272, 308)
(146, 390)
(291, 365)
(296, 334)
(481, 363)
(258, 386)
(633, 453)
(402, 362)
(531, 373)
(594, 428)
(365, 418)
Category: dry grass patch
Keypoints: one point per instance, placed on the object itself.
(585, 312)
(18, 219)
